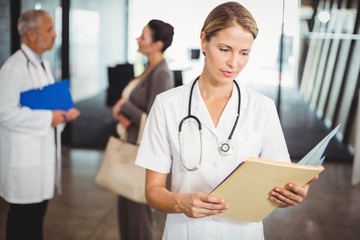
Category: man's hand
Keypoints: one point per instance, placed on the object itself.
(59, 116)
(72, 114)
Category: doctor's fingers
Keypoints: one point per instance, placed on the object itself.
(72, 114)
(198, 212)
(207, 208)
(286, 198)
(299, 190)
(211, 202)
(58, 117)
(198, 205)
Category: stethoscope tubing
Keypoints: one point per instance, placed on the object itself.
(28, 63)
(190, 116)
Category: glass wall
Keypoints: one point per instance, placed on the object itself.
(5, 49)
(97, 30)
(187, 17)
(331, 63)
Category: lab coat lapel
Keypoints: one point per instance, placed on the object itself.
(202, 112)
(39, 77)
(198, 107)
(228, 117)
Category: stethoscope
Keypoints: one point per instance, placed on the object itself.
(28, 63)
(224, 148)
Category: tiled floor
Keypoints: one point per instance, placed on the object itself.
(87, 212)
(84, 210)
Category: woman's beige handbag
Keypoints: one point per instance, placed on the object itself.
(118, 172)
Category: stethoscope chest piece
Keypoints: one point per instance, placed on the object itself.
(225, 148)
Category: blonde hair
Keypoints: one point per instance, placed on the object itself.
(226, 15)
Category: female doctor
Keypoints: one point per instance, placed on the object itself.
(29, 168)
(201, 131)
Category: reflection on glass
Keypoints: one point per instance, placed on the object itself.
(84, 35)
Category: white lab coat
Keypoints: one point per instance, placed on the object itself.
(27, 140)
(257, 134)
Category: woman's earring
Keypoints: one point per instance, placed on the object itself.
(203, 53)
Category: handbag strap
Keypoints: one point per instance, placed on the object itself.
(141, 127)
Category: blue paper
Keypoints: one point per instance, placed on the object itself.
(56, 96)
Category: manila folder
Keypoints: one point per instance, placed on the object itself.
(246, 190)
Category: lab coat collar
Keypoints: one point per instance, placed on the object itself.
(36, 63)
(198, 107)
(31, 55)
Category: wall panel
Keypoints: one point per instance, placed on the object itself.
(338, 81)
(324, 57)
(313, 56)
(331, 71)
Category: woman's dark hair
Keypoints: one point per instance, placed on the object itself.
(162, 31)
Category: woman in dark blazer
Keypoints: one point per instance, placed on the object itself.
(137, 98)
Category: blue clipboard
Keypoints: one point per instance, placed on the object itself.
(56, 96)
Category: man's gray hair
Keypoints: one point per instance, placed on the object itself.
(29, 20)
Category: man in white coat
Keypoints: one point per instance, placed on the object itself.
(29, 138)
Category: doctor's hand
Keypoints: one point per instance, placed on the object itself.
(72, 114)
(292, 194)
(58, 116)
(198, 205)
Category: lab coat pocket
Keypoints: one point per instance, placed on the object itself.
(25, 151)
(252, 144)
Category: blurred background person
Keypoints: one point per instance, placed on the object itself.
(137, 98)
(29, 138)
